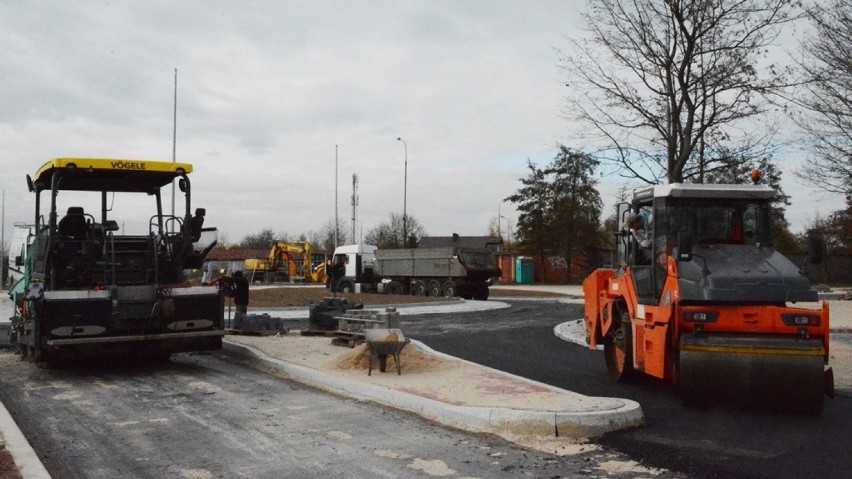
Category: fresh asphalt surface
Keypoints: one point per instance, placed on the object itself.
(721, 441)
(201, 416)
(117, 421)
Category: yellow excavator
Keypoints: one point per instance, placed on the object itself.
(293, 260)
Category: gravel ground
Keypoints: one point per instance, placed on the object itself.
(303, 296)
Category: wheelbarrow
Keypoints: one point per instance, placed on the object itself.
(382, 342)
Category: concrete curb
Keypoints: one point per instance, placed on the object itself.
(461, 306)
(29, 465)
(506, 422)
(573, 332)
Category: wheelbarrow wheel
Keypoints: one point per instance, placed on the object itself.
(383, 362)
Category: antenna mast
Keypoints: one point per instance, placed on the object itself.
(354, 203)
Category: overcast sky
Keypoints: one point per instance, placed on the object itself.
(266, 90)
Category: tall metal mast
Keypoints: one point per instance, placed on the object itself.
(354, 203)
(174, 144)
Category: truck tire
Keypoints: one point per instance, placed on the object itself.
(418, 288)
(394, 287)
(347, 287)
(449, 289)
(464, 291)
(480, 292)
(434, 288)
(618, 350)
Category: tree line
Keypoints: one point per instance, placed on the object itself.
(387, 234)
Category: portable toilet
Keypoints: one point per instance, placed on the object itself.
(523, 270)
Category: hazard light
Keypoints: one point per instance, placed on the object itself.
(800, 319)
(700, 316)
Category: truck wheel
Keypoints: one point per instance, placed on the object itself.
(347, 287)
(434, 288)
(449, 289)
(394, 287)
(480, 292)
(418, 288)
(618, 350)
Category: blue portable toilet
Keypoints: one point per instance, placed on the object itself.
(524, 270)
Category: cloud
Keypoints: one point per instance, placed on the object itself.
(266, 90)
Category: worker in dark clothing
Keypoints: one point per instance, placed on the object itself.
(241, 298)
(338, 270)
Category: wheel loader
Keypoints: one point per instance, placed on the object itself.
(701, 298)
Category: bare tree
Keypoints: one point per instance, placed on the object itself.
(389, 234)
(262, 240)
(324, 237)
(494, 228)
(828, 97)
(665, 83)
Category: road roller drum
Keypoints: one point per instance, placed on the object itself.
(773, 373)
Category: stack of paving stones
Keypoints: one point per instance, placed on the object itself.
(260, 324)
(356, 321)
(324, 313)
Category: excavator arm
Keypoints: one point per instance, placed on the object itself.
(282, 251)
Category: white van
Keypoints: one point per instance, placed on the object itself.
(21, 239)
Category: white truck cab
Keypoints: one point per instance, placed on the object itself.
(351, 266)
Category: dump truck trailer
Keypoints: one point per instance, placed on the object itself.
(89, 287)
(701, 298)
(448, 271)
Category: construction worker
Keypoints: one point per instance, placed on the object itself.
(241, 298)
(637, 224)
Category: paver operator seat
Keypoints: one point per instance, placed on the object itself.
(73, 225)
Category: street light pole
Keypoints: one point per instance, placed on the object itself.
(499, 233)
(174, 145)
(336, 220)
(404, 197)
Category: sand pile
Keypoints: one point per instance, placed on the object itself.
(411, 359)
